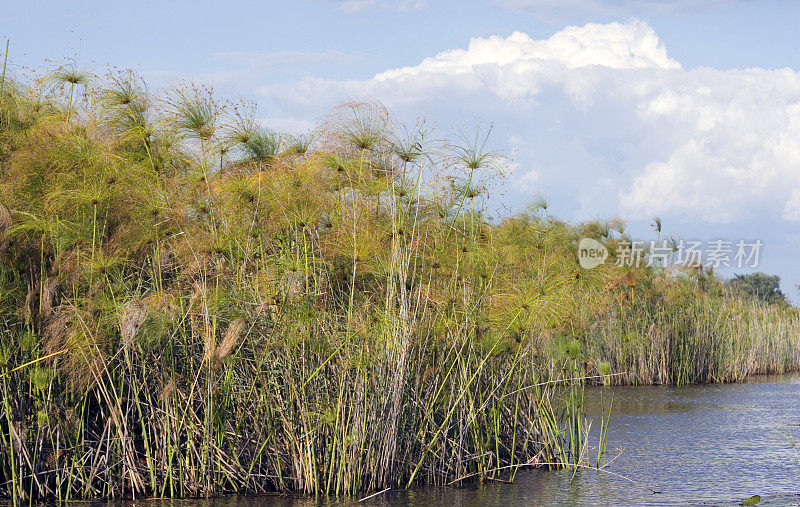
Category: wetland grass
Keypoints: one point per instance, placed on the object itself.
(192, 305)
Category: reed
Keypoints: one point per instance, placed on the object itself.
(191, 305)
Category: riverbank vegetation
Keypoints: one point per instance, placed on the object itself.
(193, 304)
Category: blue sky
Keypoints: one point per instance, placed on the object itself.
(689, 110)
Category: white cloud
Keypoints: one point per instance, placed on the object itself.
(603, 109)
(410, 5)
(288, 125)
(362, 6)
(634, 45)
(513, 67)
(742, 148)
(791, 211)
(357, 6)
(249, 67)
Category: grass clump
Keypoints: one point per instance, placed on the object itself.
(191, 305)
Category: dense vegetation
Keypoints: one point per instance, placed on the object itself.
(761, 286)
(192, 304)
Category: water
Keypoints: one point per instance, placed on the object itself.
(707, 444)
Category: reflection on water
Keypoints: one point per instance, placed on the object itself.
(713, 444)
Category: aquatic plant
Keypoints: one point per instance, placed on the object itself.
(192, 305)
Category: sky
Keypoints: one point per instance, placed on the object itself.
(684, 109)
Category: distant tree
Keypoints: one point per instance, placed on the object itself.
(764, 287)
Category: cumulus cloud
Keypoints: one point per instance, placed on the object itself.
(513, 67)
(607, 119)
(742, 148)
(618, 46)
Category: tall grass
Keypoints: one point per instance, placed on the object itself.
(696, 338)
(193, 305)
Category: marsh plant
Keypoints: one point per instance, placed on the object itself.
(192, 304)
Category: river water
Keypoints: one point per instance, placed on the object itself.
(705, 444)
